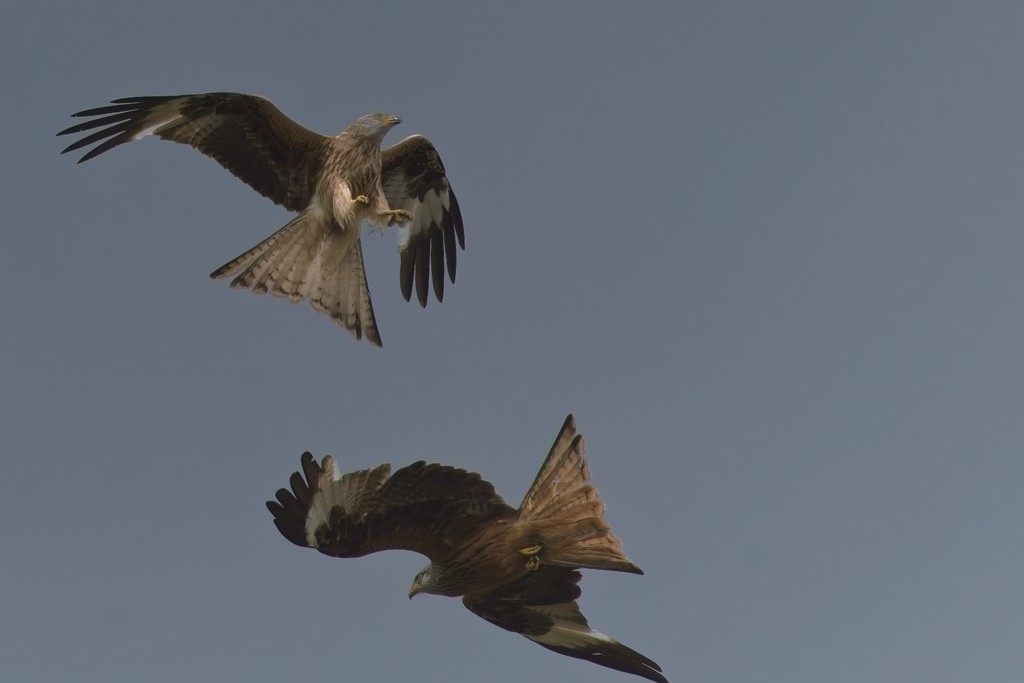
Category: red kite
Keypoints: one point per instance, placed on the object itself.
(334, 183)
(516, 568)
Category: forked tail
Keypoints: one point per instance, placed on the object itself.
(564, 512)
(308, 259)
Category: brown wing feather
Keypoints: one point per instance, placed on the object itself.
(246, 134)
(425, 508)
(414, 179)
(542, 607)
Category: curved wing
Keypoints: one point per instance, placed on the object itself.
(542, 607)
(425, 508)
(246, 134)
(413, 179)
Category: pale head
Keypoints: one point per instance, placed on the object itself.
(424, 582)
(372, 126)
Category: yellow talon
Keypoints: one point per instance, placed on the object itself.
(531, 550)
(533, 564)
(398, 216)
(362, 199)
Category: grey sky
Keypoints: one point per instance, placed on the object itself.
(768, 253)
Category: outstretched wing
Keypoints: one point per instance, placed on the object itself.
(425, 508)
(542, 606)
(413, 179)
(246, 134)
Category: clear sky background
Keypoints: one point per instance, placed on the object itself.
(770, 255)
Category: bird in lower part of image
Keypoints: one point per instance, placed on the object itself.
(518, 568)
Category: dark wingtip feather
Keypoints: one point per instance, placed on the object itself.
(456, 212)
(291, 533)
(437, 263)
(451, 255)
(290, 526)
(113, 131)
(291, 508)
(422, 271)
(618, 657)
(405, 272)
(100, 149)
(151, 99)
(310, 467)
(288, 503)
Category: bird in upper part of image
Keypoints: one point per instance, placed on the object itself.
(516, 568)
(333, 183)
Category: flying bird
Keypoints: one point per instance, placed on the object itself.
(516, 568)
(333, 183)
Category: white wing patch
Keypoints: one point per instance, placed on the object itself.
(572, 636)
(426, 213)
(165, 115)
(325, 498)
(333, 490)
(152, 129)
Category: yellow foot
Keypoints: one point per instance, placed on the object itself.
(531, 550)
(397, 216)
(533, 564)
(362, 199)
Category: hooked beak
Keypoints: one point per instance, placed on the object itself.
(414, 590)
(393, 120)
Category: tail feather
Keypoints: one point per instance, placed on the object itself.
(565, 513)
(264, 275)
(586, 543)
(297, 274)
(309, 259)
(563, 472)
(249, 258)
(346, 297)
(272, 272)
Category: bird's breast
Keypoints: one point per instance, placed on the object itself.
(350, 205)
(364, 181)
